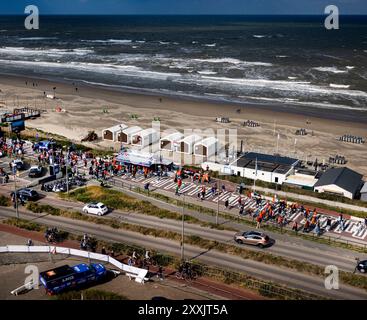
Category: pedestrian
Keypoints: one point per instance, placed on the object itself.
(328, 224)
(160, 273)
(226, 204)
(295, 226)
(29, 242)
(241, 210)
(130, 262)
(103, 251)
(258, 224)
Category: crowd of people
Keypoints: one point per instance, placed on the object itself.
(11, 148)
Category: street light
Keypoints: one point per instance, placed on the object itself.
(15, 190)
(121, 137)
(67, 173)
(183, 230)
(216, 218)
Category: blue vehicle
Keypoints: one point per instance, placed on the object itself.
(65, 277)
(44, 145)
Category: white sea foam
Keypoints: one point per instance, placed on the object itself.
(292, 78)
(37, 38)
(210, 45)
(207, 72)
(39, 51)
(126, 70)
(113, 41)
(350, 67)
(330, 69)
(259, 36)
(303, 87)
(339, 86)
(234, 61)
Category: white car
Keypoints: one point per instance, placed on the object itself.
(98, 209)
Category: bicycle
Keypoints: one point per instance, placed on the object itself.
(186, 274)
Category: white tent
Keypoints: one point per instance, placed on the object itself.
(206, 147)
(145, 138)
(111, 133)
(170, 142)
(186, 145)
(126, 135)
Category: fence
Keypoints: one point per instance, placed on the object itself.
(137, 273)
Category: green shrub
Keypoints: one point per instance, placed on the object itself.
(90, 294)
(4, 201)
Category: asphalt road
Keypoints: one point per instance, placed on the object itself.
(290, 278)
(306, 251)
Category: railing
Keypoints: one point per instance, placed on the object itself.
(137, 273)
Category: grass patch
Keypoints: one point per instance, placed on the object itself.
(4, 201)
(90, 294)
(25, 224)
(117, 200)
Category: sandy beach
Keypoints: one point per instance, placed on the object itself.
(84, 111)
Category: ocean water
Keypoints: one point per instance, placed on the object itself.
(291, 61)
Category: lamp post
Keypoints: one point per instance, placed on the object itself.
(67, 173)
(15, 191)
(121, 137)
(216, 217)
(183, 230)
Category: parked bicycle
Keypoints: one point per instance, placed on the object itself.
(186, 272)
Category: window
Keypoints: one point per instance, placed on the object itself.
(238, 173)
(276, 179)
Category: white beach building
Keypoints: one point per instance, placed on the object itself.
(110, 134)
(171, 141)
(187, 144)
(206, 148)
(145, 138)
(126, 135)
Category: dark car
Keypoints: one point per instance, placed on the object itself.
(19, 164)
(252, 237)
(362, 266)
(35, 172)
(27, 194)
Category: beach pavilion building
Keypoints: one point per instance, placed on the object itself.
(110, 134)
(340, 181)
(171, 142)
(187, 144)
(126, 135)
(206, 148)
(258, 166)
(145, 138)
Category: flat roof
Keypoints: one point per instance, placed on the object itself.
(267, 163)
(276, 159)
